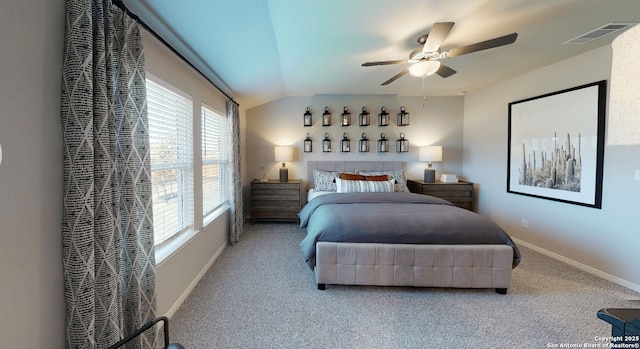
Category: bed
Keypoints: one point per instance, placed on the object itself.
(374, 232)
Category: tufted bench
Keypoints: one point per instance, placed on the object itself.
(460, 266)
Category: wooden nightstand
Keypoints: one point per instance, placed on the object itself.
(275, 200)
(458, 193)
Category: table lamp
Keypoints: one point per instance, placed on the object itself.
(430, 153)
(284, 154)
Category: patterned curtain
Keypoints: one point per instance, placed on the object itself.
(237, 217)
(108, 249)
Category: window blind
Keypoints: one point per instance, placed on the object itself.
(171, 146)
(215, 160)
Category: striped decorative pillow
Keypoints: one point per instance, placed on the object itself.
(398, 175)
(347, 186)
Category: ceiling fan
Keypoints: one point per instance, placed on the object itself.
(425, 59)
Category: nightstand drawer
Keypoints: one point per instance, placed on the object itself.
(447, 187)
(270, 205)
(258, 194)
(275, 185)
(274, 216)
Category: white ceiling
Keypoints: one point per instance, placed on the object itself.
(261, 50)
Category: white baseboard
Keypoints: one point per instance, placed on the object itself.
(195, 281)
(583, 267)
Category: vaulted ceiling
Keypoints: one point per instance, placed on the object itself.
(261, 50)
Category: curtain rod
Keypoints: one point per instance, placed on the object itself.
(124, 8)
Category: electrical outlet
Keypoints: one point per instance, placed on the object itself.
(524, 223)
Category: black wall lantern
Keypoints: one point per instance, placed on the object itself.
(365, 118)
(307, 117)
(364, 144)
(383, 144)
(326, 117)
(345, 143)
(383, 117)
(326, 143)
(346, 117)
(403, 117)
(308, 144)
(402, 144)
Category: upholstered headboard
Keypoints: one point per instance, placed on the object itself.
(351, 166)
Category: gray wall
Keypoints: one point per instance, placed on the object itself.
(438, 122)
(31, 288)
(604, 241)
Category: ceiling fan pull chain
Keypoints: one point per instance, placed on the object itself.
(424, 90)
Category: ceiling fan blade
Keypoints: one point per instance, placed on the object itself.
(370, 64)
(445, 71)
(483, 45)
(395, 77)
(438, 33)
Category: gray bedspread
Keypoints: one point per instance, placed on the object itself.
(403, 218)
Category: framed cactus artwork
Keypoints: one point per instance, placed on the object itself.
(556, 145)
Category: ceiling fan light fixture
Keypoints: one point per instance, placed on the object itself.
(424, 69)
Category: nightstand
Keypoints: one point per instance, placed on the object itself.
(274, 200)
(458, 193)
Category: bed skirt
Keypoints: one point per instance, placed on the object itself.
(459, 266)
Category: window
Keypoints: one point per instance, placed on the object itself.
(215, 160)
(171, 138)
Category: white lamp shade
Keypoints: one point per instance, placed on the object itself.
(424, 69)
(284, 154)
(430, 153)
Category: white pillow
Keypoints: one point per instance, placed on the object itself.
(351, 186)
(398, 175)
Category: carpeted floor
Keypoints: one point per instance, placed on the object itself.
(261, 294)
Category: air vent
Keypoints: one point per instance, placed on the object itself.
(599, 32)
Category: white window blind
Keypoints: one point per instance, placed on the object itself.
(215, 160)
(171, 139)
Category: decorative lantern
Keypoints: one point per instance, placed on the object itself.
(402, 144)
(345, 143)
(383, 144)
(307, 117)
(403, 117)
(365, 118)
(346, 117)
(364, 143)
(326, 117)
(383, 117)
(326, 143)
(308, 144)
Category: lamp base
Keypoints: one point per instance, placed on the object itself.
(284, 174)
(429, 175)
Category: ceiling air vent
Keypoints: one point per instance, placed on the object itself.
(599, 32)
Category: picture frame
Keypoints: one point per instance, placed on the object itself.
(556, 145)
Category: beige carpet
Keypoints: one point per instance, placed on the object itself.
(261, 294)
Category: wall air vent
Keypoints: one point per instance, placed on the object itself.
(599, 32)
